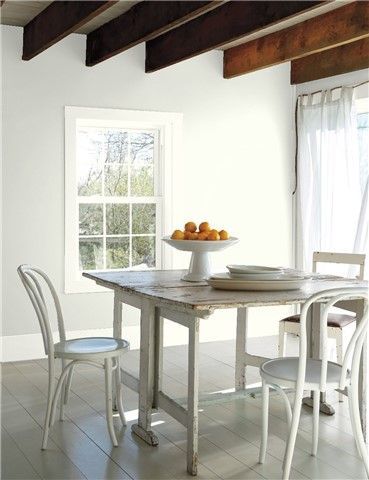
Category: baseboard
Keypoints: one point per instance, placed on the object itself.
(14, 348)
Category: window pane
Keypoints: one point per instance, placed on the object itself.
(143, 217)
(142, 164)
(142, 181)
(90, 254)
(96, 148)
(116, 142)
(116, 179)
(90, 153)
(117, 219)
(117, 252)
(90, 219)
(116, 163)
(143, 252)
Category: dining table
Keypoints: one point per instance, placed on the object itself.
(162, 294)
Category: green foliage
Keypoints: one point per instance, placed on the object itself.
(90, 219)
(91, 254)
(117, 219)
(143, 251)
(143, 218)
(117, 252)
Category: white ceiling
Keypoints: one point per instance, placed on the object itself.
(14, 12)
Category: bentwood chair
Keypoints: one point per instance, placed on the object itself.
(102, 352)
(302, 373)
(340, 325)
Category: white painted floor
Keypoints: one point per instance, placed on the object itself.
(230, 433)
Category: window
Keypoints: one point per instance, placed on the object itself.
(118, 190)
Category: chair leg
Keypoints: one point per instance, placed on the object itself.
(265, 419)
(282, 340)
(356, 425)
(340, 353)
(119, 390)
(50, 394)
(109, 399)
(316, 408)
(68, 385)
(59, 386)
(287, 462)
(63, 394)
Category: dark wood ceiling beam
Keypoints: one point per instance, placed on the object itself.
(142, 22)
(335, 61)
(57, 21)
(229, 22)
(337, 27)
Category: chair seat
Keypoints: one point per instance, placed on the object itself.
(91, 346)
(338, 320)
(286, 369)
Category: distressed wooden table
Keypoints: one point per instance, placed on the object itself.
(162, 294)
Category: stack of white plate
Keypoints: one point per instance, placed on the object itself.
(255, 277)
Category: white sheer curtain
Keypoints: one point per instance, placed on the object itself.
(329, 196)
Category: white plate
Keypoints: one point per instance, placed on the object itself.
(255, 269)
(225, 282)
(268, 276)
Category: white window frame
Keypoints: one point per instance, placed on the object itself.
(169, 126)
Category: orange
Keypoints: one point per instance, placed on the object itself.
(203, 235)
(224, 235)
(190, 227)
(204, 227)
(213, 235)
(177, 235)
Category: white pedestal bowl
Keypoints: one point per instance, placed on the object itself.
(200, 267)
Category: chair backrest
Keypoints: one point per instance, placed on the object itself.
(343, 258)
(328, 298)
(30, 277)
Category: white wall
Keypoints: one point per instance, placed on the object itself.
(237, 167)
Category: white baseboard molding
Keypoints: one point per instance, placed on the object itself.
(15, 348)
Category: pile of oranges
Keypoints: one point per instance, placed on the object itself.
(205, 232)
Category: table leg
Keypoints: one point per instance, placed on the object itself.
(193, 397)
(241, 344)
(313, 331)
(147, 365)
(159, 331)
(117, 333)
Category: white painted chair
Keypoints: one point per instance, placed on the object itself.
(302, 373)
(102, 352)
(340, 326)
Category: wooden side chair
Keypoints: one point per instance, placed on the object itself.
(340, 325)
(302, 373)
(102, 352)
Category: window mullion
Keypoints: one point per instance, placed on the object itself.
(130, 234)
(104, 210)
(104, 234)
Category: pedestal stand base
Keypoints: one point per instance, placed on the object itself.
(199, 269)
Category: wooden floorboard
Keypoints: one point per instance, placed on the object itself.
(80, 446)
(14, 465)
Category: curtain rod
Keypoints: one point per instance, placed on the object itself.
(335, 88)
